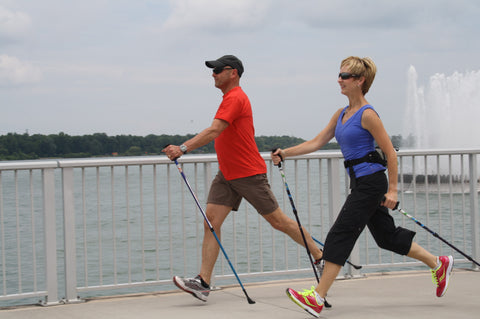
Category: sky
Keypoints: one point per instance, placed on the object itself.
(137, 67)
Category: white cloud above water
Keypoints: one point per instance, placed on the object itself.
(13, 24)
(217, 16)
(14, 72)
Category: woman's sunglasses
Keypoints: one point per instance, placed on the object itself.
(346, 75)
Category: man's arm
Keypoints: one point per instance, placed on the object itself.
(202, 138)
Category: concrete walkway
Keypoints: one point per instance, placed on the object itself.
(393, 295)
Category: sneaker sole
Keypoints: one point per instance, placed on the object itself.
(307, 309)
(449, 272)
(182, 287)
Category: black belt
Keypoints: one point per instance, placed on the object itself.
(376, 156)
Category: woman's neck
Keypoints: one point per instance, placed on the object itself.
(355, 103)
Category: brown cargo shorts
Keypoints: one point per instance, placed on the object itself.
(255, 189)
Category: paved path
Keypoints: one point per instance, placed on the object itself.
(393, 295)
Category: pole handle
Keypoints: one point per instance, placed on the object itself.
(279, 155)
(176, 158)
(396, 205)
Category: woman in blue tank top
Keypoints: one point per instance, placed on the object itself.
(357, 127)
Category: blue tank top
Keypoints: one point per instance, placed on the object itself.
(356, 142)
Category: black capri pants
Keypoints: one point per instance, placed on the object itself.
(362, 208)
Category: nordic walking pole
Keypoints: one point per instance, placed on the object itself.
(348, 261)
(434, 233)
(250, 301)
(280, 168)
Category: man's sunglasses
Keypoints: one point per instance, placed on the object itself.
(220, 69)
(346, 75)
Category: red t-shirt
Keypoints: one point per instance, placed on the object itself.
(236, 149)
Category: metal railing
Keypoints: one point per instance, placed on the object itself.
(70, 229)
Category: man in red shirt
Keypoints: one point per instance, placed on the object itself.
(242, 173)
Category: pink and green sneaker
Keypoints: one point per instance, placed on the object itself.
(307, 300)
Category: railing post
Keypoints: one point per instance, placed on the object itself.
(50, 237)
(69, 236)
(474, 208)
(208, 178)
(207, 172)
(333, 189)
(334, 206)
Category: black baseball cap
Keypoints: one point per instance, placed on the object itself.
(227, 60)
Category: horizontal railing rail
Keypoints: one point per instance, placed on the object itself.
(74, 228)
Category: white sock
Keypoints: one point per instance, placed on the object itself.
(319, 299)
(438, 264)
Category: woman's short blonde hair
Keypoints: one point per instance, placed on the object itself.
(362, 67)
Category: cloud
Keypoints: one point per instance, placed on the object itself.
(13, 24)
(217, 15)
(384, 15)
(15, 72)
(345, 14)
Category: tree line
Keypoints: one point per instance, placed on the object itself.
(15, 146)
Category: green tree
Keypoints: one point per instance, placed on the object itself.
(134, 151)
(24, 146)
